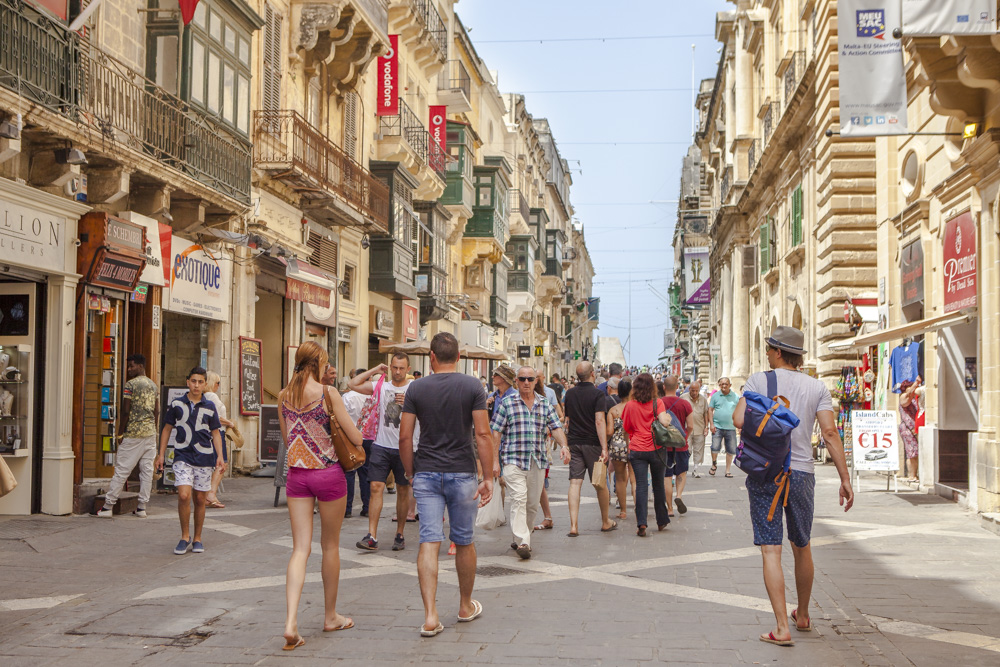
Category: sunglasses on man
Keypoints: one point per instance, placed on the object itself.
(522, 379)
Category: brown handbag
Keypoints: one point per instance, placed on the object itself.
(350, 456)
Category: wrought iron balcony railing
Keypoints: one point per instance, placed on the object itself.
(436, 157)
(408, 126)
(770, 120)
(727, 182)
(793, 74)
(284, 141)
(435, 24)
(455, 77)
(518, 204)
(753, 154)
(42, 60)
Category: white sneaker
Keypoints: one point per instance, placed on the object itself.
(106, 511)
(140, 512)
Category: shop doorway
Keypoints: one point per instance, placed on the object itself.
(185, 345)
(102, 361)
(269, 327)
(958, 395)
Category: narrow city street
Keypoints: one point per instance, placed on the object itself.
(901, 579)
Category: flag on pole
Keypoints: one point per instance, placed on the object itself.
(187, 9)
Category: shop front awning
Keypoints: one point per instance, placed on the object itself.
(423, 348)
(864, 340)
(308, 284)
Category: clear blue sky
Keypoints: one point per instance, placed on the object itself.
(628, 238)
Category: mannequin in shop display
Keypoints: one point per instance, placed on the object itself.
(6, 403)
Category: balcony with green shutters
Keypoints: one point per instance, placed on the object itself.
(460, 193)
(796, 254)
(498, 301)
(392, 256)
(431, 275)
(491, 206)
(768, 247)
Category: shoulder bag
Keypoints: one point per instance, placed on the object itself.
(350, 456)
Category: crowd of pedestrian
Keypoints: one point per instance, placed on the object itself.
(443, 441)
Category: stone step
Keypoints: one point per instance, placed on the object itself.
(127, 503)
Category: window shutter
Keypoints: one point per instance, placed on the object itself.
(765, 248)
(797, 216)
(749, 266)
(324, 253)
(271, 85)
(351, 125)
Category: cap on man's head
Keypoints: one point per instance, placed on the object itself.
(788, 339)
(506, 373)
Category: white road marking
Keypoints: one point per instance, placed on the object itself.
(214, 513)
(22, 604)
(890, 625)
(229, 528)
(709, 510)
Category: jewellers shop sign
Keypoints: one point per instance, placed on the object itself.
(388, 80)
(200, 281)
(960, 263)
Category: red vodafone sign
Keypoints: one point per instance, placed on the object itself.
(960, 268)
(411, 322)
(388, 80)
(438, 122)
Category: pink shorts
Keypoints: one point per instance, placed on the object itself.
(323, 484)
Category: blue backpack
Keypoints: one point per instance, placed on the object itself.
(765, 449)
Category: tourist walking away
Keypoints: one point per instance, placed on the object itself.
(355, 403)
(699, 413)
(450, 410)
(908, 410)
(720, 419)
(385, 449)
(614, 371)
(638, 414)
(586, 415)
(678, 458)
(618, 449)
(194, 421)
(557, 387)
(314, 475)
(520, 427)
(139, 414)
(212, 500)
(810, 400)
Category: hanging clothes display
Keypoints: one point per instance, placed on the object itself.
(905, 363)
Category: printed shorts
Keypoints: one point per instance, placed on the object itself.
(323, 484)
(798, 513)
(198, 478)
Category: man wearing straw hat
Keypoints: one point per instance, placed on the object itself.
(810, 400)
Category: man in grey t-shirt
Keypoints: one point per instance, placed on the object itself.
(810, 401)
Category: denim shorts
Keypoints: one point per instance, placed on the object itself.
(798, 513)
(727, 436)
(455, 491)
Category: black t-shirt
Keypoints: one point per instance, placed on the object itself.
(558, 388)
(582, 403)
(443, 404)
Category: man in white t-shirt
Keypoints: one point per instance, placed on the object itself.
(385, 450)
(810, 401)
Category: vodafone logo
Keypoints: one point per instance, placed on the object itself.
(437, 120)
(390, 53)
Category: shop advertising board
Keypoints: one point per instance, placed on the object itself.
(875, 436)
(250, 376)
(200, 282)
(269, 440)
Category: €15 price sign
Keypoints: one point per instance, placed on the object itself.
(876, 440)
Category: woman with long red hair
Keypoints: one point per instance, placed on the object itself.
(314, 474)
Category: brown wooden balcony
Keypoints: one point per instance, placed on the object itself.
(334, 187)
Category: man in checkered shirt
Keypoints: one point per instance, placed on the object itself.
(520, 425)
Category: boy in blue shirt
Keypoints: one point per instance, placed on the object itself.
(197, 452)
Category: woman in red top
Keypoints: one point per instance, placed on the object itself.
(637, 420)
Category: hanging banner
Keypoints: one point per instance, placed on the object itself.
(873, 84)
(876, 440)
(388, 81)
(911, 268)
(438, 118)
(948, 17)
(960, 263)
(698, 287)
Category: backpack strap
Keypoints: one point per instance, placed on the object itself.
(782, 482)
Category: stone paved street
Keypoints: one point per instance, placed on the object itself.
(902, 579)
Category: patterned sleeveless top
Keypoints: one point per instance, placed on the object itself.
(309, 443)
(617, 446)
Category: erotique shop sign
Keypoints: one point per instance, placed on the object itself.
(388, 80)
